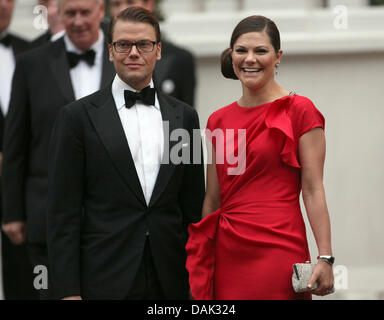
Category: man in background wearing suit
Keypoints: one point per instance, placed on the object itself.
(55, 25)
(44, 81)
(175, 72)
(118, 211)
(17, 271)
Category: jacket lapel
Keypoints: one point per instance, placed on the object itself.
(173, 118)
(58, 63)
(106, 120)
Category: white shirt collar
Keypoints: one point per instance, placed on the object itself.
(98, 46)
(118, 87)
(57, 35)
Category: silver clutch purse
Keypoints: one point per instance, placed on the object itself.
(302, 273)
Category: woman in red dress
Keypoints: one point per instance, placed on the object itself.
(267, 147)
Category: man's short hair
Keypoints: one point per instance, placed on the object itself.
(135, 14)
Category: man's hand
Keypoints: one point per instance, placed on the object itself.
(16, 231)
(72, 298)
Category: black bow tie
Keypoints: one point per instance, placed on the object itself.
(6, 41)
(146, 96)
(74, 58)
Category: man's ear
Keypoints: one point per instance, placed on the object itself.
(110, 50)
(158, 51)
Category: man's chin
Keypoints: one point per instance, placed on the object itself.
(133, 80)
(81, 42)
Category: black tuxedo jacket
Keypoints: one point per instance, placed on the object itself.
(41, 87)
(18, 45)
(97, 213)
(175, 73)
(40, 40)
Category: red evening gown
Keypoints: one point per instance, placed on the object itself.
(246, 249)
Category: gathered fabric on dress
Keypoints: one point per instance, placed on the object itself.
(246, 249)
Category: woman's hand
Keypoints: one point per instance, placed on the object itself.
(323, 275)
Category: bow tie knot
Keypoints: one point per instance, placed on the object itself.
(146, 96)
(88, 57)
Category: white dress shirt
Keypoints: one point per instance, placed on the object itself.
(143, 128)
(86, 79)
(7, 61)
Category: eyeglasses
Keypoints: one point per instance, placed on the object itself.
(143, 46)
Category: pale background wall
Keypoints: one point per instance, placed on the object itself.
(342, 72)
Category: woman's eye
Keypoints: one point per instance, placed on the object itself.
(240, 50)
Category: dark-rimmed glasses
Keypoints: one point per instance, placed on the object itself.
(143, 46)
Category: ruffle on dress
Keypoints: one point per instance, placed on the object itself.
(277, 118)
(201, 256)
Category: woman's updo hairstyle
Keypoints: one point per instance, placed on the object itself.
(250, 24)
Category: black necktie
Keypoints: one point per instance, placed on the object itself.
(6, 41)
(74, 58)
(146, 96)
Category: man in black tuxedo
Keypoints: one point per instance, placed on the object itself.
(45, 80)
(17, 270)
(120, 200)
(175, 72)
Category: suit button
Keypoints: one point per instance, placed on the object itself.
(147, 233)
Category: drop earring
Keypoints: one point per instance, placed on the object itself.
(276, 68)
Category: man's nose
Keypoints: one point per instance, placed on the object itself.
(134, 51)
(78, 19)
